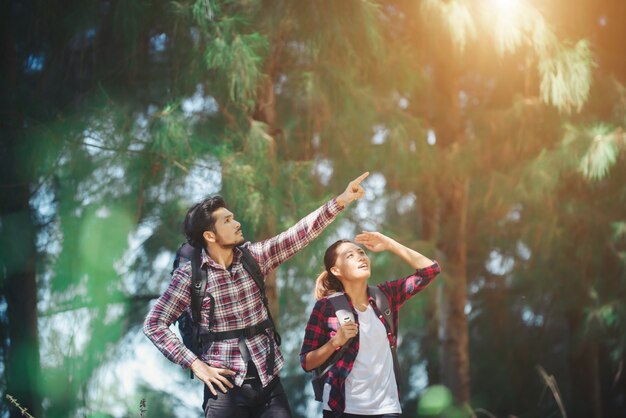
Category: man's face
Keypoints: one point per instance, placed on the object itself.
(227, 230)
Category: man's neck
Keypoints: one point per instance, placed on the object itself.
(221, 255)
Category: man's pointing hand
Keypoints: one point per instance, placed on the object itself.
(354, 191)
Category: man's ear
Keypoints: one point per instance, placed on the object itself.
(209, 236)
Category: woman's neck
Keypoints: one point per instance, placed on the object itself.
(358, 294)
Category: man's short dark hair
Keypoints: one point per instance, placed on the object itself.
(200, 218)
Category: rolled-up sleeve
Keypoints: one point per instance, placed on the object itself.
(403, 289)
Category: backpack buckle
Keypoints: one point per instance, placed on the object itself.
(247, 332)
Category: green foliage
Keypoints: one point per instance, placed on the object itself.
(602, 153)
(434, 401)
(456, 16)
(566, 76)
(204, 11)
(238, 61)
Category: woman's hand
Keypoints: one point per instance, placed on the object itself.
(375, 241)
(316, 358)
(344, 333)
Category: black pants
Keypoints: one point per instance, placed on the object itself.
(251, 400)
(328, 414)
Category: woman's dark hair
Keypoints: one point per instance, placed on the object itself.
(199, 218)
(326, 283)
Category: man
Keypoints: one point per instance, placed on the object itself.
(240, 374)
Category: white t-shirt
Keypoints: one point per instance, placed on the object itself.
(371, 385)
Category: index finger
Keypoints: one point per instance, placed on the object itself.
(362, 177)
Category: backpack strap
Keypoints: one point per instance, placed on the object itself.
(342, 309)
(199, 279)
(251, 266)
(382, 302)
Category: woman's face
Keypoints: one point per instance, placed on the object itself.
(352, 263)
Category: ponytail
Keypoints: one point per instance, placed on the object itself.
(327, 284)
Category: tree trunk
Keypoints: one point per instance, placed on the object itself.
(453, 189)
(586, 393)
(265, 111)
(17, 232)
(428, 209)
(17, 245)
(453, 333)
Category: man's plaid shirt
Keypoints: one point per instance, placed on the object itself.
(236, 301)
(323, 325)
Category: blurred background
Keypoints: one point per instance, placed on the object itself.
(494, 131)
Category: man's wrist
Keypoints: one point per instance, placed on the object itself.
(194, 363)
(342, 201)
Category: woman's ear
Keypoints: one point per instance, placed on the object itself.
(335, 271)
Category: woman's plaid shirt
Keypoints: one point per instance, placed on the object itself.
(236, 301)
(323, 325)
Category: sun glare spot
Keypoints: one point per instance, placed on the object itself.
(508, 20)
(507, 9)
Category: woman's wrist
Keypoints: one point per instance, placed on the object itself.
(394, 246)
(334, 343)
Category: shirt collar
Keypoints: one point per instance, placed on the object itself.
(208, 261)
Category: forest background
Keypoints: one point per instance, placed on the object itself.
(494, 132)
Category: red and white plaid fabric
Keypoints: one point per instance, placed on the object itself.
(236, 298)
(323, 325)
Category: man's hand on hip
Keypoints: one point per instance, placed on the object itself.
(212, 376)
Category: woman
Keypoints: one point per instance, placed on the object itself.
(362, 381)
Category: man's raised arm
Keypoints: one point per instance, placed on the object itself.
(274, 251)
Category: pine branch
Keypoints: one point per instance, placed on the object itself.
(91, 304)
(182, 167)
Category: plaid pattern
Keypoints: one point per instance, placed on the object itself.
(323, 325)
(235, 299)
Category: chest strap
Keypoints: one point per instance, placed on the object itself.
(208, 337)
